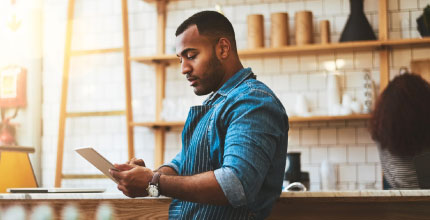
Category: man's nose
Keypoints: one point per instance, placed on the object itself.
(185, 67)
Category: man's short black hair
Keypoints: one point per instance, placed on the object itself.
(211, 24)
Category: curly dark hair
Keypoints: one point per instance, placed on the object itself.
(401, 119)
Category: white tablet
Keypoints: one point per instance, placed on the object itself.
(97, 160)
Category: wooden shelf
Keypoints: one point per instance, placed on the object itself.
(312, 48)
(152, 1)
(408, 42)
(98, 51)
(330, 118)
(94, 114)
(157, 124)
(84, 176)
(167, 58)
(274, 51)
(160, 124)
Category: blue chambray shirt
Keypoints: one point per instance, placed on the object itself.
(241, 133)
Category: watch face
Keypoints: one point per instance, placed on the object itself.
(153, 191)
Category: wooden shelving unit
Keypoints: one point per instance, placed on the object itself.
(407, 42)
(64, 114)
(313, 48)
(363, 45)
(158, 124)
(329, 118)
(161, 60)
(175, 124)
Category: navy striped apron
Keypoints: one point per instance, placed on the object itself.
(196, 159)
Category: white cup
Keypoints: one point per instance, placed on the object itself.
(356, 107)
(346, 100)
(301, 107)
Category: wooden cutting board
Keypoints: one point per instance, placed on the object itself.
(421, 67)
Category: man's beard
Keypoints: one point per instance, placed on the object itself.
(215, 75)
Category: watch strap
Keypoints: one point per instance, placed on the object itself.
(155, 179)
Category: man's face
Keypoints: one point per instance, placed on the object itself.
(199, 62)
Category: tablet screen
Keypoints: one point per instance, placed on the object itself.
(97, 160)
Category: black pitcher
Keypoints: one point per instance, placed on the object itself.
(423, 22)
(294, 172)
(357, 27)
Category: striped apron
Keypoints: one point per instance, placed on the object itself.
(196, 159)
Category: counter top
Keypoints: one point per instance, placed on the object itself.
(316, 194)
(352, 205)
(361, 193)
(67, 196)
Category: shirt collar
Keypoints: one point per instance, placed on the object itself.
(231, 83)
(234, 81)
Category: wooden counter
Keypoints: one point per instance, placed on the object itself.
(378, 204)
(369, 205)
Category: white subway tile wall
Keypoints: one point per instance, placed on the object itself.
(356, 154)
(337, 154)
(347, 173)
(97, 82)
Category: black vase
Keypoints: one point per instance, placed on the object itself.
(422, 28)
(357, 27)
(293, 173)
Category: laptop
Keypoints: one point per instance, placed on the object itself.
(54, 190)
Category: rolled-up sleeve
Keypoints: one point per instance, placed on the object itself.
(231, 186)
(174, 164)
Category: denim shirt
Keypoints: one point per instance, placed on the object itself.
(242, 130)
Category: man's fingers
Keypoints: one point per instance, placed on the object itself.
(124, 167)
(123, 190)
(138, 162)
(129, 161)
(118, 175)
(133, 183)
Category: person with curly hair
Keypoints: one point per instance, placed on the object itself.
(400, 124)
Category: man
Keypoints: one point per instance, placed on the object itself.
(233, 146)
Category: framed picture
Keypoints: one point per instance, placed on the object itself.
(13, 87)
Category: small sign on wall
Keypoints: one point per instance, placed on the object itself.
(13, 87)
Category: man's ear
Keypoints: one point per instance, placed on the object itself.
(223, 48)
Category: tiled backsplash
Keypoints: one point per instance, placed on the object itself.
(97, 82)
(346, 145)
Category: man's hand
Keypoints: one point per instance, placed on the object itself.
(132, 179)
(138, 162)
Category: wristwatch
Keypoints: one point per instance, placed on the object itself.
(153, 185)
